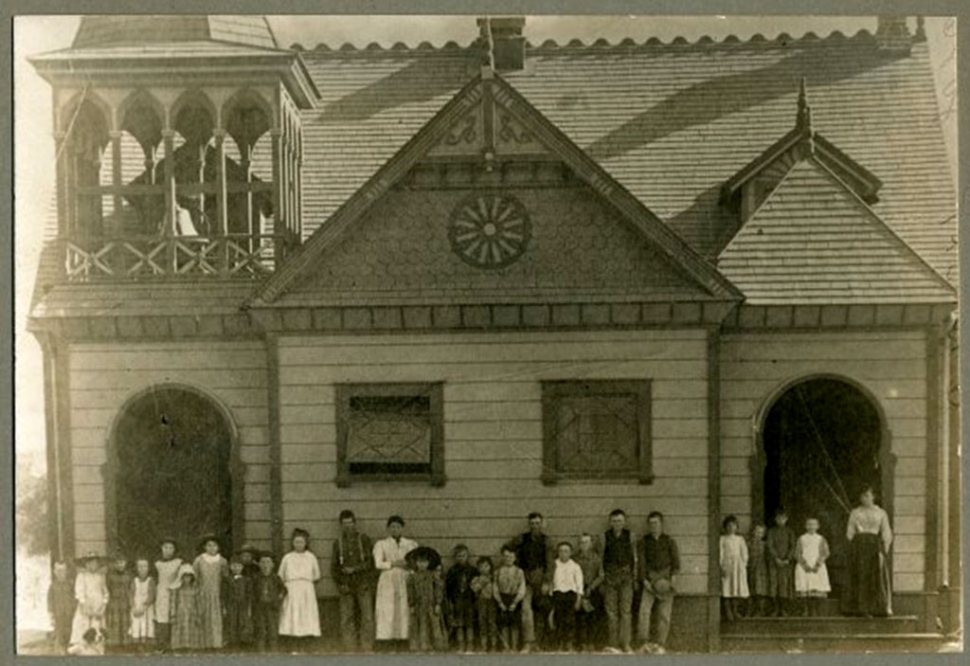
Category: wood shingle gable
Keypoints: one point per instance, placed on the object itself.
(814, 241)
(497, 97)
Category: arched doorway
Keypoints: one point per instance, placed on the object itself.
(821, 440)
(172, 472)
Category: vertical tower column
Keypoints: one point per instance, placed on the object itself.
(117, 201)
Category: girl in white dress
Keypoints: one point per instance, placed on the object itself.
(142, 625)
(91, 592)
(299, 570)
(734, 568)
(811, 575)
(392, 612)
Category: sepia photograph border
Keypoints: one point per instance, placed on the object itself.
(12, 8)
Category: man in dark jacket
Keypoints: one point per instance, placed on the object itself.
(536, 556)
(352, 569)
(659, 563)
(620, 575)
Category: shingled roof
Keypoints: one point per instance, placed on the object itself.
(814, 241)
(670, 122)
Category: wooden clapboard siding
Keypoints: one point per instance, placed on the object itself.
(493, 436)
(105, 376)
(891, 365)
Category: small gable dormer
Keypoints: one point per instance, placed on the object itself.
(178, 147)
(750, 186)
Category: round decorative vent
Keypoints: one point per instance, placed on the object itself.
(489, 230)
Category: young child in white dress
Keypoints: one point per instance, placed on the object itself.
(299, 570)
(734, 568)
(811, 575)
(142, 625)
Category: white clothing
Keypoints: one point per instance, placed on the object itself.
(734, 566)
(91, 593)
(809, 550)
(142, 626)
(568, 577)
(870, 520)
(300, 615)
(392, 613)
(168, 577)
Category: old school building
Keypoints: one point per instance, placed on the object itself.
(462, 283)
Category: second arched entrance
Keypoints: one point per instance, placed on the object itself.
(821, 441)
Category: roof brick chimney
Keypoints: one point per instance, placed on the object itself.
(503, 42)
(892, 34)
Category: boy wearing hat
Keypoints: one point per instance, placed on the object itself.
(660, 562)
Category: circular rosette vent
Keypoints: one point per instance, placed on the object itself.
(489, 230)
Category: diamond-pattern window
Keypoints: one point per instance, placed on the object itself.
(596, 429)
(389, 431)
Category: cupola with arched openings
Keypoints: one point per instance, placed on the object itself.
(179, 147)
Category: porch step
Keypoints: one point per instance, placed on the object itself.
(899, 633)
(828, 626)
(821, 643)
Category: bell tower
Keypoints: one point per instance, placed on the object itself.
(178, 145)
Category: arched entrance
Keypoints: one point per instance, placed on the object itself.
(172, 472)
(821, 440)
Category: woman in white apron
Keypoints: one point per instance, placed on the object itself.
(391, 613)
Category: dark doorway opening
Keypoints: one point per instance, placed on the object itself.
(822, 443)
(172, 450)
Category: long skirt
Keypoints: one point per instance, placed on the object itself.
(300, 615)
(869, 589)
(391, 612)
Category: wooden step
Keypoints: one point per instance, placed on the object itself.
(821, 643)
(834, 625)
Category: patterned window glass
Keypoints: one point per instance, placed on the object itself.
(388, 431)
(596, 429)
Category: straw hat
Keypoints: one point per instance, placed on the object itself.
(88, 556)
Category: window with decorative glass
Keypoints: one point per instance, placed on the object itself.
(596, 429)
(389, 432)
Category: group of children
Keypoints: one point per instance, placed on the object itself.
(178, 605)
(485, 602)
(773, 573)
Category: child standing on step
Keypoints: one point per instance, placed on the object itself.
(781, 551)
(757, 571)
(811, 575)
(734, 569)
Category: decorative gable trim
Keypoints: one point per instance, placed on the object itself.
(666, 241)
(749, 187)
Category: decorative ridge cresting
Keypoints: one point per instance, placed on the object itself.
(600, 44)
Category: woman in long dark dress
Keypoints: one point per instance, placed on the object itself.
(870, 538)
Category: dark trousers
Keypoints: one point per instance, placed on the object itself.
(588, 623)
(357, 618)
(163, 636)
(266, 626)
(564, 613)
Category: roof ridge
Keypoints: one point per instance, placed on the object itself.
(599, 44)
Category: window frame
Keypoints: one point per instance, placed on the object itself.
(344, 392)
(553, 391)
